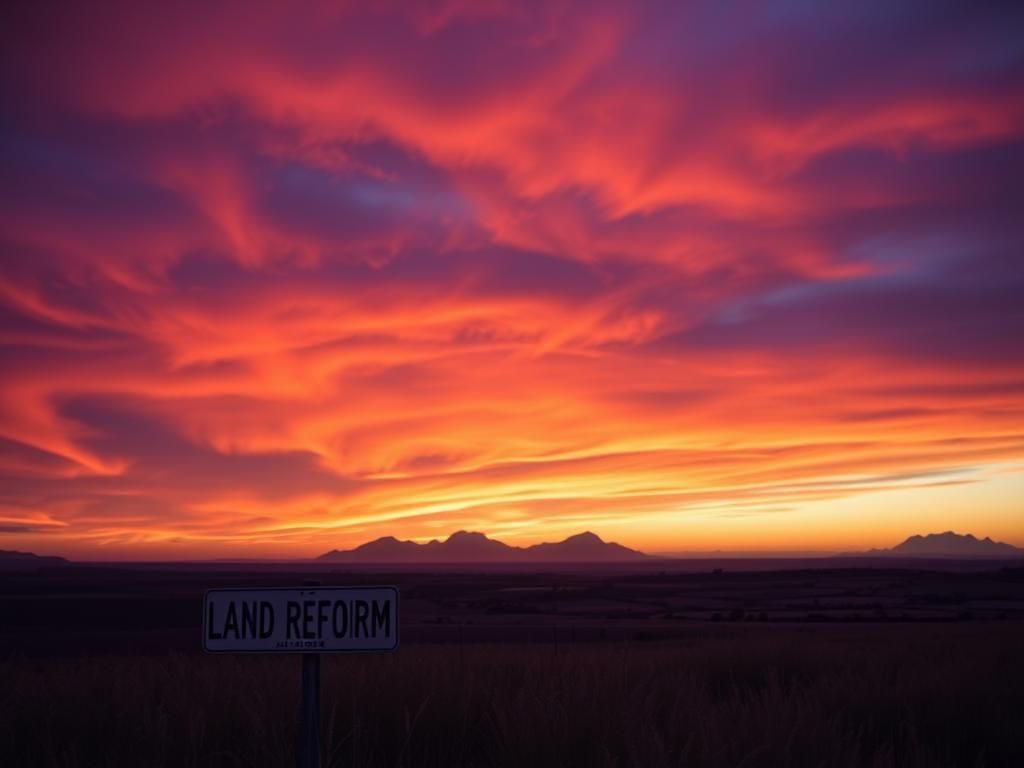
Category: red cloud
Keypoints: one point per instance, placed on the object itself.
(273, 276)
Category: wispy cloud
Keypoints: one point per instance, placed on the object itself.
(270, 275)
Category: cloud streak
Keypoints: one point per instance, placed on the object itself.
(273, 281)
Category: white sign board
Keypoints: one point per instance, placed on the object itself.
(300, 620)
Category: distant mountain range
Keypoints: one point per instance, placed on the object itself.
(20, 561)
(470, 547)
(948, 544)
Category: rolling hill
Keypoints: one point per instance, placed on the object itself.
(20, 561)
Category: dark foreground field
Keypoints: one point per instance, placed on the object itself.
(878, 695)
(875, 667)
(89, 610)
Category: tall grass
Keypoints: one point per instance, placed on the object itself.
(865, 696)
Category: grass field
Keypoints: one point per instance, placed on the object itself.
(882, 695)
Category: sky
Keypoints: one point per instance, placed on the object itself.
(282, 278)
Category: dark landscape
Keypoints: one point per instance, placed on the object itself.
(653, 662)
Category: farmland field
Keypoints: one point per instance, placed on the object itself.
(703, 692)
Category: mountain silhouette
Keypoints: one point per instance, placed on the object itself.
(583, 547)
(948, 544)
(473, 547)
(12, 560)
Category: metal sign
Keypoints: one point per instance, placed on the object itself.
(300, 620)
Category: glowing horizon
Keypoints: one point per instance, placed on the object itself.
(276, 284)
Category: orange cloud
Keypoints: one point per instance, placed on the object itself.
(278, 282)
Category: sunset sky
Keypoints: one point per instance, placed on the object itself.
(277, 279)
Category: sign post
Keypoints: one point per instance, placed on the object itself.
(309, 722)
(309, 725)
(309, 620)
